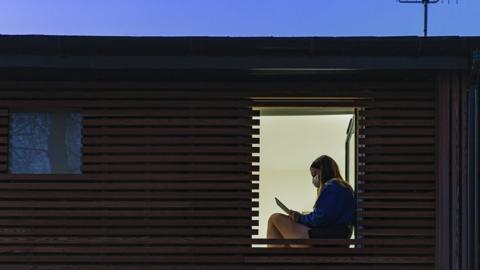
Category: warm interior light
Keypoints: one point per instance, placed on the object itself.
(290, 139)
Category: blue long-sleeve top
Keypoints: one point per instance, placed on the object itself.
(335, 205)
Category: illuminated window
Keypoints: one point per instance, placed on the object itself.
(290, 139)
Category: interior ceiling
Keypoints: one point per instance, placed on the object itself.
(304, 111)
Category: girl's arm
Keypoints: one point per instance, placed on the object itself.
(327, 208)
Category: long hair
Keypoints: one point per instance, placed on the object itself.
(329, 169)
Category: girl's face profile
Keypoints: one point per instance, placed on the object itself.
(315, 177)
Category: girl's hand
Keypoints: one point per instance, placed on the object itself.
(294, 215)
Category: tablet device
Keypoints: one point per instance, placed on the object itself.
(284, 208)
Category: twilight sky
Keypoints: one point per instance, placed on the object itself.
(237, 17)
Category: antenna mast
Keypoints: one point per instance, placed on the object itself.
(425, 10)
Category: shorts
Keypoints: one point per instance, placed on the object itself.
(334, 231)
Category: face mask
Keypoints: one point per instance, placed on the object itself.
(316, 181)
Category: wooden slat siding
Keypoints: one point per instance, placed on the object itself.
(4, 130)
(444, 241)
(208, 89)
(361, 158)
(216, 266)
(139, 249)
(256, 170)
(396, 189)
(467, 235)
(456, 176)
(196, 137)
(125, 204)
(452, 167)
(92, 177)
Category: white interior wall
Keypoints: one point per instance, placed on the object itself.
(288, 145)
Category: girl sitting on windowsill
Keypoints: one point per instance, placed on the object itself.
(334, 209)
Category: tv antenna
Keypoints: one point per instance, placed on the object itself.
(425, 10)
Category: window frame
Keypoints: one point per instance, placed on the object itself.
(42, 109)
(260, 104)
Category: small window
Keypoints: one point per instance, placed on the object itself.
(47, 142)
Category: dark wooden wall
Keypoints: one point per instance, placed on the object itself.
(397, 167)
(3, 140)
(168, 175)
(452, 178)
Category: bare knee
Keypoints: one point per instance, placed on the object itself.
(274, 218)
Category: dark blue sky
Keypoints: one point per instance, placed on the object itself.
(236, 17)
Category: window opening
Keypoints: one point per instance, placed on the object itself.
(45, 142)
(290, 139)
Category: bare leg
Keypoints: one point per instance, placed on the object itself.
(289, 229)
(273, 233)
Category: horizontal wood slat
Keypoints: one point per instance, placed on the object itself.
(232, 158)
(380, 159)
(171, 231)
(218, 131)
(129, 204)
(314, 103)
(127, 186)
(187, 266)
(188, 167)
(208, 89)
(397, 168)
(400, 213)
(410, 176)
(174, 122)
(398, 122)
(397, 141)
(357, 260)
(169, 149)
(395, 131)
(396, 223)
(393, 113)
(140, 103)
(202, 241)
(114, 113)
(399, 232)
(390, 205)
(395, 186)
(100, 227)
(118, 177)
(407, 195)
(139, 249)
(429, 149)
(313, 259)
(126, 213)
(100, 194)
(158, 140)
(408, 104)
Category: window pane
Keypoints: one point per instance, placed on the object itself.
(45, 142)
